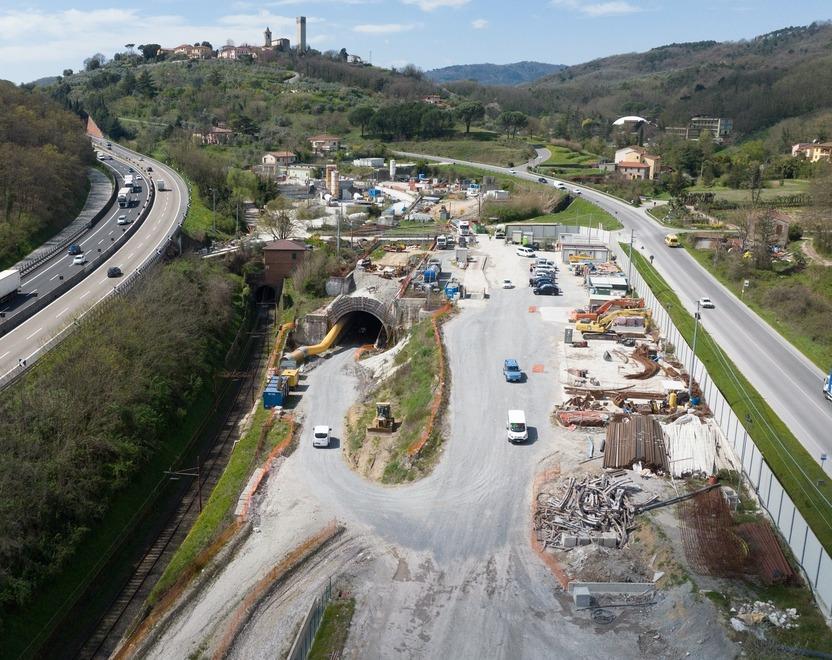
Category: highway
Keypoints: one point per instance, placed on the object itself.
(49, 275)
(785, 378)
(165, 216)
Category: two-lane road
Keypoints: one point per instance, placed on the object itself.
(162, 222)
(785, 378)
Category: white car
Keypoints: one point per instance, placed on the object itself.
(561, 186)
(575, 191)
(79, 260)
(706, 303)
(524, 251)
(508, 284)
(512, 171)
(320, 436)
(122, 220)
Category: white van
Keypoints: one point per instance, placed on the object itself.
(525, 251)
(516, 429)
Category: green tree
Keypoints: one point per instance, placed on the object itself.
(94, 62)
(469, 112)
(361, 117)
(145, 85)
(128, 84)
(150, 51)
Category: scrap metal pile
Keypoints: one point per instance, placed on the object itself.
(635, 439)
(595, 509)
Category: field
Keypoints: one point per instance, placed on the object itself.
(788, 459)
(480, 146)
(566, 157)
(772, 189)
(582, 213)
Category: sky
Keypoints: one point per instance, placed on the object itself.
(43, 37)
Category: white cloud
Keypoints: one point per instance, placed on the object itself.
(74, 35)
(430, 5)
(596, 9)
(479, 24)
(384, 28)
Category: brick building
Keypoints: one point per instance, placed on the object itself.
(281, 258)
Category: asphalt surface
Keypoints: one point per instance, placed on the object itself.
(785, 378)
(51, 273)
(166, 214)
(440, 568)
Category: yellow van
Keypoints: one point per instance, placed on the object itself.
(671, 240)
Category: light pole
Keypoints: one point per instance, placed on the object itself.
(189, 472)
(693, 353)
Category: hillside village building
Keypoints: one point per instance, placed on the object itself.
(813, 151)
(232, 52)
(720, 128)
(637, 164)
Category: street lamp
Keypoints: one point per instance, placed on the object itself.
(745, 284)
(693, 354)
(189, 472)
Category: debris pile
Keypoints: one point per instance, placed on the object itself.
(590, 510)
(752, 614)
(767, 556)
(650, 366)
(636, 439)
(692, 446)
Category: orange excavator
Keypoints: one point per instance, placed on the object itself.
(593, 314)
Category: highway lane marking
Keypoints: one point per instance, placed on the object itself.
(101, 241)
(85, 294)
(130, 256)
(34, 333)
(63, 311)
(4, 354)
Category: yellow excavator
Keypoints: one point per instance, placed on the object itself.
(603, 324)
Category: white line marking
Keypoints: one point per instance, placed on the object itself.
(63, 311)
(4, 354)
(85, 294)
(34, 333)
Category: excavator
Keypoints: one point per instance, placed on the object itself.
(581, 314)
(603, 324)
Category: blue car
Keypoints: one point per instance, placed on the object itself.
(511, 371)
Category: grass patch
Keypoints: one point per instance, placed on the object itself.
(773, 189)
(493, 151)
(568, 158)
(797, 305)
(199, 222)
(332, 634)
(784, 454)
(582, 213)
(659, 212)
(410, 390)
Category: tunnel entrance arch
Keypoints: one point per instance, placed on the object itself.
(358, 312)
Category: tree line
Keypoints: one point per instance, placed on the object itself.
(43, 178)
(78, 427)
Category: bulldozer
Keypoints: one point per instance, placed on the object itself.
(384, 421)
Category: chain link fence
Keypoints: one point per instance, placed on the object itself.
(309, 628)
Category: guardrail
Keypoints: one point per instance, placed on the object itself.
(311, 622)
(121, 288)
(813, 559)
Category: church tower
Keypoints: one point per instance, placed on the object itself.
(268, 35)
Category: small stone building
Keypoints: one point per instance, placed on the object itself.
(280, 259)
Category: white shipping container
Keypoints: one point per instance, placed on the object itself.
(9, 283)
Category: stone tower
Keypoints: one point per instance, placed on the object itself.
(301, 33)
(268, 35)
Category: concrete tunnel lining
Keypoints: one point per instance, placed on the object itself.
(345, 305)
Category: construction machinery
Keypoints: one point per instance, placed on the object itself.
(603, 324)
(581, 314)
(384, 421)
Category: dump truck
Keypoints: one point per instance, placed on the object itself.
(581, 314)
(603, 324)
(9, 283)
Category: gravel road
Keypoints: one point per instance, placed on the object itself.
(441, 568)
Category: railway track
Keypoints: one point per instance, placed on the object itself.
(111, 626)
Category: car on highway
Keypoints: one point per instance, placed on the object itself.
(524, 251)
(114, 271)
(545, 290)
(74, 249)
(109, 145)
(706, 303)
(576, 191)
(511, 371)
(541, 179)
(321, 436)
(122, 220)
(79, 260)
(129, 169)
(508, 284)
(561, 186)
(512, 171)
(149, 169)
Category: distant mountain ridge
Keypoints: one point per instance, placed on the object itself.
(516, 73)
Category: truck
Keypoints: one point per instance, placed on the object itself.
(827, 386)
(464, 228)
(124, 197)
(160, 184)
(9, 283)
(441, 242)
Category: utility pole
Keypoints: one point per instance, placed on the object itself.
(630, 259)
(693, 354)
(338, 230)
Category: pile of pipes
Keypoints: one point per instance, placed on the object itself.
(635, 439)
(692, 444)
(591, 510)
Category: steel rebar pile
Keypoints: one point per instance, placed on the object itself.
(635, 439)
(593, 509)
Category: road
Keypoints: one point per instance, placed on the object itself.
(785, 378)
(49, 275)
(440, 568)
(168, 210)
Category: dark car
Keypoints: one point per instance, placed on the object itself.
(545, 290)
(149, 169)
(540, 179)
(114, 271)
(538, 280)
(75, 249)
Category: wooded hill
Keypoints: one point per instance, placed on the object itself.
(758, 83)
(515, 73)
(43, 178)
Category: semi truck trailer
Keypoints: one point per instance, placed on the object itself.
(9, 283)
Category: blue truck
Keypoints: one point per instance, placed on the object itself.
(276, 392)
(512, 372)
